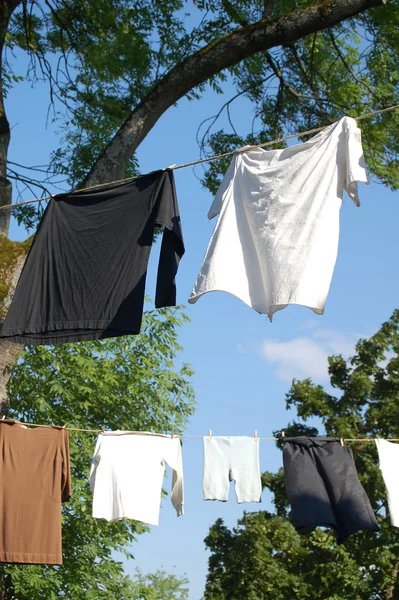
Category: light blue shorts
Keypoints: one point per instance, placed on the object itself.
(227, 459)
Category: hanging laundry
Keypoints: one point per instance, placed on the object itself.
(388, 454)
(276, 239)
(35, 479)
(231, 459)
(84, 276)
(323, 487)
(127, 474)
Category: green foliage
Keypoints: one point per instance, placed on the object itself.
(129, 383)
(263, 557)
(350, 69)
(101, 59)
(160, 586)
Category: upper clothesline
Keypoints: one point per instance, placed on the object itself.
(208, 159)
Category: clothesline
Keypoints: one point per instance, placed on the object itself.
(208, 159)
(185, 437)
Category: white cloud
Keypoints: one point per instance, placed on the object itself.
(307, 356)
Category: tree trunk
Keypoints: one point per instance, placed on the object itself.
(12, 258)
(8, 351)
(6, 9)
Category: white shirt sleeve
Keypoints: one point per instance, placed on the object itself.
(355, 166)
(94, 464)
(388, 455)
(221, 194)
(173, 457)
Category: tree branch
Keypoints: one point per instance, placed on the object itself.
(306, 76)
(202, 142)
(278, 73)
(349, 69)
(203, 64)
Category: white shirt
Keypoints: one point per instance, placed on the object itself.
(127, 474)
(276, 239)
(388, 454)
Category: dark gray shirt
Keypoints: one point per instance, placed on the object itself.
(84, 276)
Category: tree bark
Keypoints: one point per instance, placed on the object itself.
(203, 64)
(8, 351)
(6, 9)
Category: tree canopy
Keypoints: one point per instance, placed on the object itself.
(123, 383)
(263, 557)
(114, 68)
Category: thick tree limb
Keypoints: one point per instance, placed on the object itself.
(198, 68)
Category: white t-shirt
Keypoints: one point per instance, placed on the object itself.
(388, 454)
(276, 239)
(127, 474)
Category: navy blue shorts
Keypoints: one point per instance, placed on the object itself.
(323, 487)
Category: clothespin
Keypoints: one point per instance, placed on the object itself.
(103, 429)
(342, 442)
(173, 429)
(210, 434)
(283, 433)
(256, 434)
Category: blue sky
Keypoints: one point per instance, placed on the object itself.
(243, 364)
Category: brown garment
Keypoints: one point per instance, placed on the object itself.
(34, 480)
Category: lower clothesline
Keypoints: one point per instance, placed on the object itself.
(185, 437)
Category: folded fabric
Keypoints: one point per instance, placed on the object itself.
(276, 239)
(127, 474)
(388, 454)
(323, 487)
(231, 459)
(35, 479)
(84, 276)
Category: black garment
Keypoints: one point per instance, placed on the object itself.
(84, 276)
(323, 487)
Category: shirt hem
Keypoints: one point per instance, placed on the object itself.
(32, 559)
(69, 331)
(273, 308)
(212, 499)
